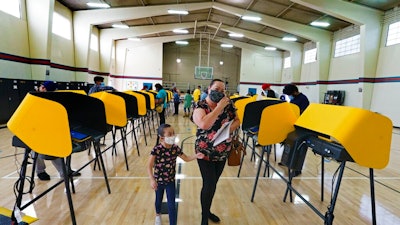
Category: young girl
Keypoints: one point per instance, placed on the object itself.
(187, 103)
(163, 161)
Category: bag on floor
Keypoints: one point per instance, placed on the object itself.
(236, 152)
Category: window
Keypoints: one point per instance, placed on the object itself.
(347, 46)
(393, 36)
(286, 63)
(61, 26)
(310, 56)
(94, 43)
(11, 7)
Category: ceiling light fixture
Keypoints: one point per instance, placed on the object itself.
(178, 60)
(269, 48)
(221, 62)
(320, 24)
(226, 45)
(235, 35)
(289, 39)
(179, 12)
(180, 31)
(181, 42)
(98, 5)
(122, 26)
(251, 18)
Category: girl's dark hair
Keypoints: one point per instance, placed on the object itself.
(160, 130)
(216, 80)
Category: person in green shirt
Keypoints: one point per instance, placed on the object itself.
(187, 103)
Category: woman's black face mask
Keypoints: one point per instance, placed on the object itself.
(216, 96)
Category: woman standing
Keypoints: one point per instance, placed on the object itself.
(209, 115)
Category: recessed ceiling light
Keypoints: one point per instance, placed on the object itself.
(122, 26)
(134, 39)
(97, 5)
(180, 31)
(178, 60)
(320, 24)
(269, 48)
(226, 45)
(235, 35)
(179, 12)
(221, 62)
(181, 42)
(289, 39)
(251, 18)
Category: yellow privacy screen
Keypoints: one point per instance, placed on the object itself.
(364, 134)
(42, 125)
(115, 108)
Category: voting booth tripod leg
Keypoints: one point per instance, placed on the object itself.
(123, 137)
(21, 178)
(289, 187)
(257, 176)
(144, 130)
(114, 134)
(99, 157)
(34, 159)
(268, 149)
(329, 214)
(68, 191)
(372, 187)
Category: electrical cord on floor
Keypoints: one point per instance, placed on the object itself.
(21, 177)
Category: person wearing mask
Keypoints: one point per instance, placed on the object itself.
(161, 170)
(99, 85)
(296, 97)
(210, 115)
(40, 165)
(301, 101)
(267, 91)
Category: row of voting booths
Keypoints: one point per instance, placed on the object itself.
(57, 124)
(344, 134)
(13, 91)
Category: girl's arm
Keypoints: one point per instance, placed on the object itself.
(192, 157)
(150, 166)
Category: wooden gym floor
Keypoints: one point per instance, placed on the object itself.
(132, 200)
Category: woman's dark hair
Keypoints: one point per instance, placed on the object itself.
(216, 80)
(188, 91)
(158, 86)
(290, 89)
(98, 78)
(160, 130)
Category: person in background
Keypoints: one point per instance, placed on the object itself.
(196, 94)
(145, 88)
(161, 170)
(203, 94)
(177, 100)
(301, 101)
(267, 91)
(296, 97)
(99, 85)
(161, 98)
(187, 103)
(40, 165)
(209, 116)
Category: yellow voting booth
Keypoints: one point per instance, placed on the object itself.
(365, 135)
(43, 126)
(342, 133)
(115, 108)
